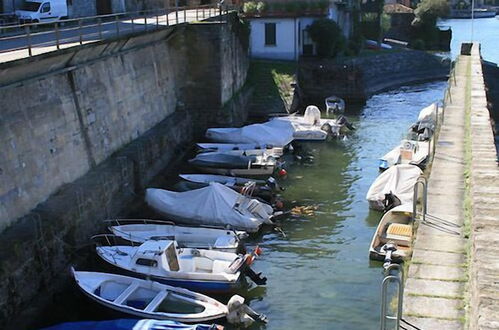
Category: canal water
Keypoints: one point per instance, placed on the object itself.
(319, 275)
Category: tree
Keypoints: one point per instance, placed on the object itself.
(425, 32)
(327, 36)
(428, 11)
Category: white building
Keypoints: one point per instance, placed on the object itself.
(286, 37)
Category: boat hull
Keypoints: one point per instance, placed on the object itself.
(193, 285)
(237, 172)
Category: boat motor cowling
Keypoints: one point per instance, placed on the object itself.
(389, 248)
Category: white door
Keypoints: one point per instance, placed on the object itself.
(46, 12)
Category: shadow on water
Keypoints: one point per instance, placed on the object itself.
(319, 274)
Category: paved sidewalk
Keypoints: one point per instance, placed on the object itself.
(15, 47)
(435, 285)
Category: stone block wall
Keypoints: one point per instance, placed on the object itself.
(85, 129)
(357, 79)
(484, 186)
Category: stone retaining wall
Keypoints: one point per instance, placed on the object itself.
(357, 79)
(484, 175)
(85, 130)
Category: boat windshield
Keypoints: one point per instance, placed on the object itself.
(31, 6)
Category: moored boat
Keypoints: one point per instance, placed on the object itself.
(408, 152)
(152, 300)
(148, 299)
(311, 127)
(278, 134)
(394, 233)
(334, 104)
(141, 230)
(163, 261)
(214, 205)
(132, 324)
(261, 189)
(250, 148)
(393, 187)
(235, 163)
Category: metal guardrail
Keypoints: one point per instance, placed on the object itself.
(393, 273)
(95, 28)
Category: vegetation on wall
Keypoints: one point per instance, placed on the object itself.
(288, 7)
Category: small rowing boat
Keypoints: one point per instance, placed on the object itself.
(394, 234)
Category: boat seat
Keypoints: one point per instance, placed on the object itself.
(220, 266)
(202, 265)
(151, 307)
(126, 293)
(399, 233)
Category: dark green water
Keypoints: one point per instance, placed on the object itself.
(320, 276)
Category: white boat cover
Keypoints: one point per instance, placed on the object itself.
(428, 113)
(276, 133)
(211, 205)
(398, 180)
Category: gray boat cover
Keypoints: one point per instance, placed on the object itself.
(398, 180)
(215, 205)
(222, 160)
(275, 132)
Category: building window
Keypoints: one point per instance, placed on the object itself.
(270, 34)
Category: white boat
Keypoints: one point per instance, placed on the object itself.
(248, 147)
(214, 205)
(395, 230)
(335, 104)
(428, 113)
(408, 152)
(148, 299)
(310, 126)
(163, 261)
(235, 163)
(141, 230)
(276, 134)
(395, 183)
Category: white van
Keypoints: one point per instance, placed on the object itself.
(41, 11)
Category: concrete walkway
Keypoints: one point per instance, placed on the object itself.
(435, 285)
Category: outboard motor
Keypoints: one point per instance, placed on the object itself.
(273, 184)
(342, 120)
(390, 201)
(389, 248)
(240, 313)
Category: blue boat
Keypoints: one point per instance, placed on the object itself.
(131, 324)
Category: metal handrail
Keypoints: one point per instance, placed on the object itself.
(149, 19)
(422, 181)
(399, 281)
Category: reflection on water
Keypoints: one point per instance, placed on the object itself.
(319, 274)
